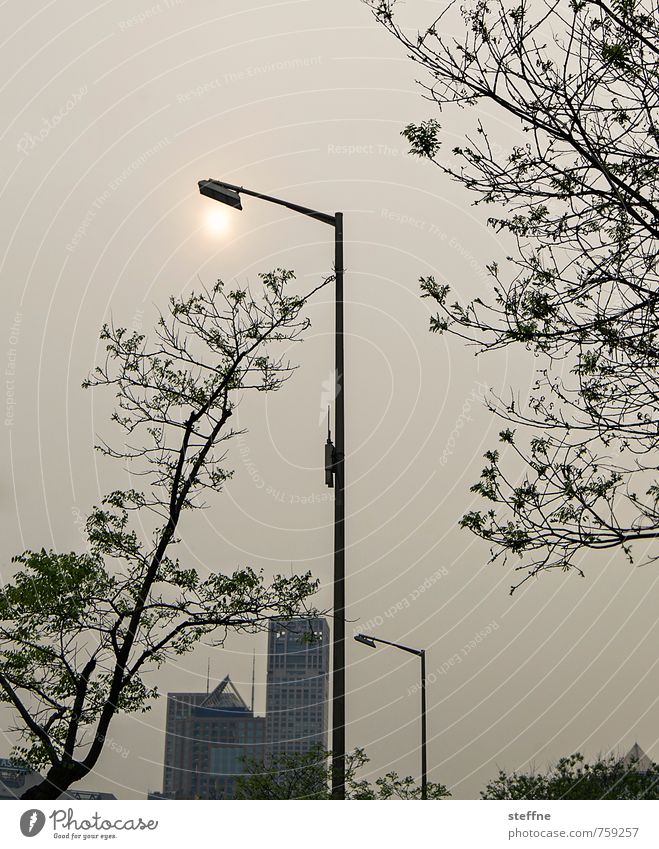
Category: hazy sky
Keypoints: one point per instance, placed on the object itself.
(112, 112)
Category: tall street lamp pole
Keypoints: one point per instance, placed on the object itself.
(371, 641)
(229, 194)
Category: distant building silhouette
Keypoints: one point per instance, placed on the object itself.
(208, 735)
(15, 780)
(637, 759)
(156, 796)
(297, 685)
(87, 795)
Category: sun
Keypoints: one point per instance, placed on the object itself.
(217, 221)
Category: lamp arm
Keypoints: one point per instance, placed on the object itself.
(417, 652)
(325, 217)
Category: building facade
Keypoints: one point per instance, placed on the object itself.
(15, 780)
(297, 685)
(208, 738)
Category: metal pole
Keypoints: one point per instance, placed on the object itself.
(338, 674)
(209, 188)
(424, 758)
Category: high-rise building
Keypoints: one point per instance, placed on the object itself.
(208, 738)
(297, 685)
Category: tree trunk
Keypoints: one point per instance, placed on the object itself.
(57, 780)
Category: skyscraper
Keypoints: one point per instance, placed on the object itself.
(209, 735)
(297, 685)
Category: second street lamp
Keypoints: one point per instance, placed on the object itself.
(369, 641)
(229, 194)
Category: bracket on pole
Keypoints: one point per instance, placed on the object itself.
(330, 455)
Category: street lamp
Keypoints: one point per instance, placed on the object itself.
(229, 194)
(370, 642)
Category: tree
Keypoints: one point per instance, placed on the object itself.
(286, 776)
(580, 203)
(78, 632)
(307, 775)
(573, 778)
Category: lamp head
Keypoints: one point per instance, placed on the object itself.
(367, 641)
(218, 191)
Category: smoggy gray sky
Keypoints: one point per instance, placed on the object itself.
(111, 113)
